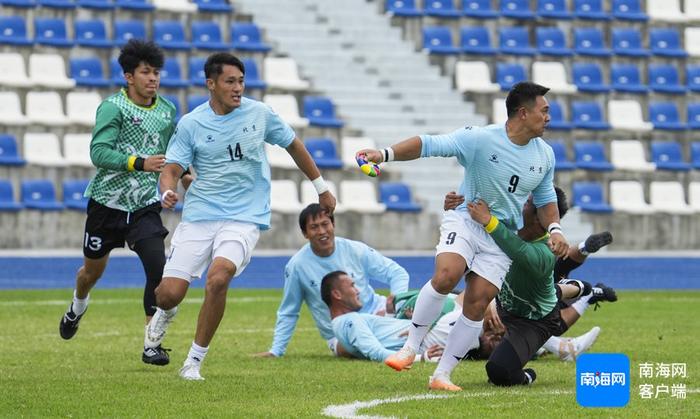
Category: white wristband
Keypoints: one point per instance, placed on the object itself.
(555, 228)
(320, 185)
(388, 154)
(162, 197)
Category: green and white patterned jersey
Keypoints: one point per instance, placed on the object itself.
(124, 129)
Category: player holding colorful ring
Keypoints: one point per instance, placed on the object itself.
(369, 168)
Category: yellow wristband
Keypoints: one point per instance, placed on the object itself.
(493, 223)
(130, 163)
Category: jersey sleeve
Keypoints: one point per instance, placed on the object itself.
(277, 131)
(362, 340)
(544, 193)
(460, 143)
(385, 270)
(518, 250)
(288, 312)
(103, 153)
(181, 146)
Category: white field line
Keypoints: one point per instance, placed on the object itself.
(97, 301)
(173, 331)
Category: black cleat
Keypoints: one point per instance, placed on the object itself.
(530, 376)
(69, 323)
(595, 242)
(602, 292)
(156, 356)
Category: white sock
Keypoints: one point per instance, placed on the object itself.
(428, 307)
(79, 306)
(581, 304)
(553, 344)
(582, 248)
(463, 337)
(196, 354)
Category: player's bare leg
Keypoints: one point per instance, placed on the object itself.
(87, 277)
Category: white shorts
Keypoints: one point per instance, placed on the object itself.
(464, 236)
(195, 245)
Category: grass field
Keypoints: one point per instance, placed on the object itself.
(99, 373)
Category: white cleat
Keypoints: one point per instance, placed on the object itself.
(576, 346)
(190, 371)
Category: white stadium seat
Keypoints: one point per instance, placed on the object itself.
(81, 107)
(629, 155)
(278, 157)
(474, 76)
(282, 73)
(349, 146)
(46, 108)
(310, 196)
(287, 108)
(694, 195)
(360, 196)
(553, 75)
(42, 149)
(49, 70)
(628, 196)
(665, 10)
(76, 149)
(10, 110)
(499, 113)
(668, 197)
(175, 6)
(13, 72)
(284, 197)
(626, 115)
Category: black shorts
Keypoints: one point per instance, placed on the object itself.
(107, 228)
(526, 335)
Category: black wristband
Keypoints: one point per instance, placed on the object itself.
(185, 173)
(138, 163)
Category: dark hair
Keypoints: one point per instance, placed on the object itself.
(216, 62)
(523, 94)
(328, 285)
(562, 204)
(137, 51)
(310, 212)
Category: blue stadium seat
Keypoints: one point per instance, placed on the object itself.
(516, 9)
(7, 197)
(170, 34)
(630, 10)
(13, 31)
(552, 41)
(128, 29)
(666, 43)
(252, 75)
(91, 33)
(628, 42)
(515, 41)
(694, 115)
(553, 9)
(441, 8)
(171, 74)
(246, 37)
(320, 112)
(403, 8)
(40, 194)
(588, 77)
(195, 100)
(116, 74)
(9, 152)
(51, 32)
(324, 153)
(195, 67)
(561, 160)
(588, 196)
(591, 156)
(556, 117)
(692, 77)
(176, 102)
(73, 194)
(96, 4)
(664, 115)
(438, 40)
(589, 41)
(695, 154)
(626, 78)
(25, 4)
(479, 9)
(476, 40)
(590, 10)
(397, 197)
(509, 74)
(88, 72)
(663, 78)
(135, 5)
(588, 115)
(668, 156)
(213, 6)
(57, 4)
(207, 35)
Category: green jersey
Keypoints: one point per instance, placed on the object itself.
(528, 289)
(124, 129)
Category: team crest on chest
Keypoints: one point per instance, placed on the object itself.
(249, 129)
(210, 139)
(493, 158)
(136, 120)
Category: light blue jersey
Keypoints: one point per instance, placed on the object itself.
(232, 179)
(501, 173)
(368, 336)
(302, 282)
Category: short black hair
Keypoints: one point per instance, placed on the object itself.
(328, 285)
(138, 51)
(562, 203)
(523, 94)
(216, 62)
(310, 212)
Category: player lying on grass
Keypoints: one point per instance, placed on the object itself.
(325, 253)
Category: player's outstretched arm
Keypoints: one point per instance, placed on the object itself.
(306, 164)
(168, 184)
(548, 215)
(409, 149)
